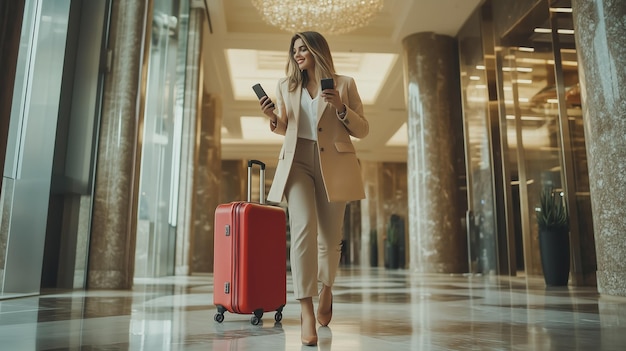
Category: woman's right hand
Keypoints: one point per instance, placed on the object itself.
(267, 106)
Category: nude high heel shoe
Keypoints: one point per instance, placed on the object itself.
(308, 333)
(324, 310)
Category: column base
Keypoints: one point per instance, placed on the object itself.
(611, 283)
(106, 280)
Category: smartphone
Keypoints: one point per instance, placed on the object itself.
(328, 83)
(258, 89)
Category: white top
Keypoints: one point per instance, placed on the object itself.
(307, 124)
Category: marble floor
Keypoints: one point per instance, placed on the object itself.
(374, 310)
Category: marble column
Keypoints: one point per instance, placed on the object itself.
(394, 201)
(193, 90)
(112, 242)
(599, 26)
(207, 184)
(234, 180)
(372, 227)
(437, 240)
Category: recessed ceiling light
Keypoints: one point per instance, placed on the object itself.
(400, 137)
(255, 130)
(561, 9)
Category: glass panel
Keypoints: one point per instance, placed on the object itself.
(544, 127)
(162, 132)
(539, 86)
(532, 115)
(474, 84)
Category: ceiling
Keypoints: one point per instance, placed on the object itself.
(241, 50)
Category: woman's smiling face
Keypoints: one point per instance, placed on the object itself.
(304, 58)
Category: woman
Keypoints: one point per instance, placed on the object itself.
(318, 171)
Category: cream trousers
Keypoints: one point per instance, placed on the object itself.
(315, 224)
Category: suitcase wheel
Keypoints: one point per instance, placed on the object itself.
(256, 319)
(219, 316)
(279, 314)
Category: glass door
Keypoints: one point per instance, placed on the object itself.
(544, 126)
(162, 133)
(475, 83)
(533, 136)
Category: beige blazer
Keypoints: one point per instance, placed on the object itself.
(338, 161)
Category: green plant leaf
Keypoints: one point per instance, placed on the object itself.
(553, 212)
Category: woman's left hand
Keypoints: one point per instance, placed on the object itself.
(332, 97)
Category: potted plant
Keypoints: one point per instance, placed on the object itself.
(373, 248)
(391, 242)
(553, 222)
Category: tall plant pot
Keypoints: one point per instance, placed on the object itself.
(373, 249)
(554, 247)
(391, 254)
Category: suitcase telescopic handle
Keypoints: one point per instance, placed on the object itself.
(262, 181)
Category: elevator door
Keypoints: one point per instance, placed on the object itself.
(73, 171)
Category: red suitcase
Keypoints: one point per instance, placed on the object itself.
(250, 260)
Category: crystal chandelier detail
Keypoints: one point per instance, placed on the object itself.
(324, 16)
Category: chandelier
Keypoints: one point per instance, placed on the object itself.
(324, 16)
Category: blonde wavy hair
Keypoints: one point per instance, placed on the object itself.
(324, 66)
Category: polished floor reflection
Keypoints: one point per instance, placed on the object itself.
(374, 309)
